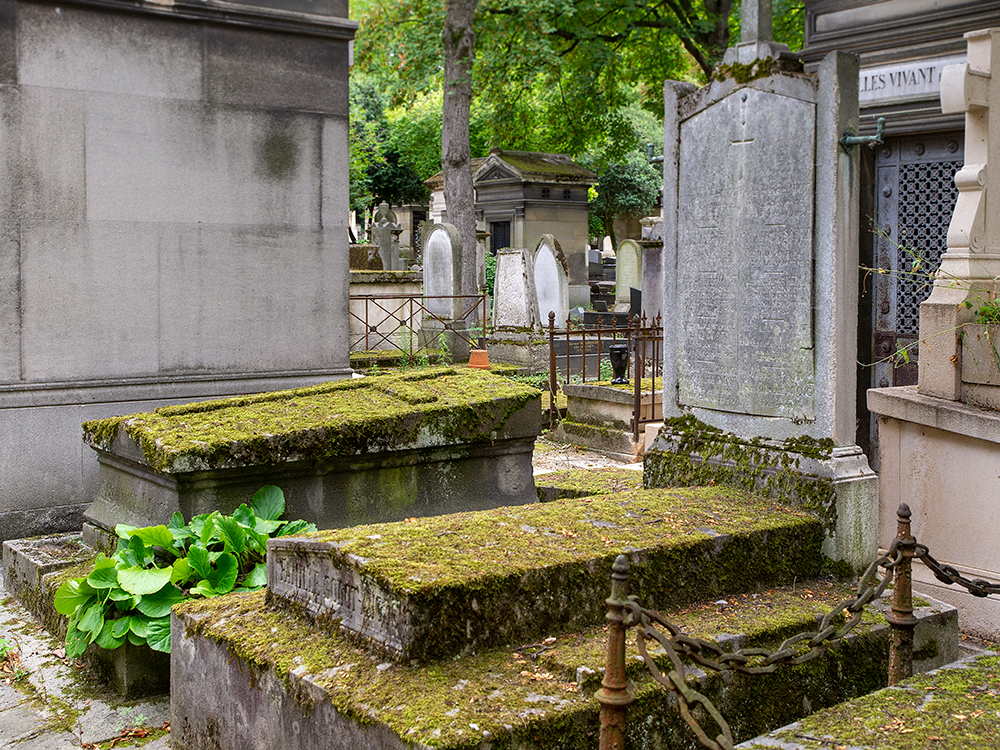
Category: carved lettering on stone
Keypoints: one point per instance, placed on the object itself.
(744, 266)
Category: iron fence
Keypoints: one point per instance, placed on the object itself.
(625, 612)
(580, 342)
(395, 322)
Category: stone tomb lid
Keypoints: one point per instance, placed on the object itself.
(429, 408)
(430, 588)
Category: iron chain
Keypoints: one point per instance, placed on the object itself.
(948, 575)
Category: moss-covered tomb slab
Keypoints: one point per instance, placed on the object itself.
(246, 674)
(352, 451)
(436, 587)
(953, 708)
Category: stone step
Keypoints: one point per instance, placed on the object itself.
(433, 588)
(248, 675)
(953, 707)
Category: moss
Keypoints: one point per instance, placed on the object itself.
(586, 482)
(950, 709)
(699, 454)
(744, 73)
(347, 417)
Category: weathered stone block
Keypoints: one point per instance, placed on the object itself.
(350, 452)
(453, 584)
(27, 561)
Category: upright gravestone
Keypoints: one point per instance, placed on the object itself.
(515, 301)
(651, 247)
(444, 319)
(628, 274)
(385, 236)
(551, 280)
(760, 344)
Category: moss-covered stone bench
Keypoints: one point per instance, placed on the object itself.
(353, 451)
(449, 585)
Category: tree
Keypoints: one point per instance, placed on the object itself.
(456, 160)
(629, 189)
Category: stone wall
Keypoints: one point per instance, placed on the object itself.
(173, 208)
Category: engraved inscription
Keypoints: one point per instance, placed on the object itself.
(744, 269)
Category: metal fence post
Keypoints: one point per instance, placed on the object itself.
(613, 695)
(901, 617)
(553, 386)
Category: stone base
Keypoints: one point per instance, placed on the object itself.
(941, 458)
(836, 484)
(609, 407)
(610, 441)
(528, 351)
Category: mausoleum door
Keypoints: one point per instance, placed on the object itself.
(915, 196)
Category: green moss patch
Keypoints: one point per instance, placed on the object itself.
(950, 709)
(698, 454)
(538, 694)
(586, 482)
(349, 417)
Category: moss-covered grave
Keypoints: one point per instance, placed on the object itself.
(436, 406)
(451, 584)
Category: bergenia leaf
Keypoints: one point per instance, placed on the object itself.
(198, 560)
(107, 639)
(155, 536)
(104, 578)
(244, 516)
(159, 604)
(69, 596)
(233, 535)
(158, 634)
(268, 503)
(140, 581)
(257, 578)
(226, 569)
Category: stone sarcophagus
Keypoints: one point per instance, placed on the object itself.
(359, 451)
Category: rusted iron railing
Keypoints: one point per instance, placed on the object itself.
(394, 322)
(625, 612)
(645, 341)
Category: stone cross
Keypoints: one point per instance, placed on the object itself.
(970, 268)
(756, 36)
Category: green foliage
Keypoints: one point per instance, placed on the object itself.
(129, 595)
(491, 272)
(629, 189)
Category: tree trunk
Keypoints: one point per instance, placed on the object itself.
(459, 53)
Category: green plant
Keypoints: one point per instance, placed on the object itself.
(128, 596)
(10, 661)
(444, 354)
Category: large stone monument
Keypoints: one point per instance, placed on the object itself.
(173, 220)
(939, 442)
(445, 320)
(628, 274)
(385, 231)
(551, 272)
(760, 277)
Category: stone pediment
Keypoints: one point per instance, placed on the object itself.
(497, 172)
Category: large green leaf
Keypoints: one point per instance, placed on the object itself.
(133, 554)
(158, 634)
(104, 578)
(223, 578)
(244, 516)
(257, 577)
(138, 625)
(198, 560)
(204, 588)
(233, 535)
(267, 527)
(268, 503)
(159, 604)
(155, 536)
(295, 527)
(76, 639)
(181, 571)
(121, 626)
(257, 542)
(208, 530)
(140, 581)
(124, 531)
(92, 619)
(107, 638)
(71, 595)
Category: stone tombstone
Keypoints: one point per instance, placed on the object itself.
(442, 270)
(482, 238)
(515, 301)
(551, 280)
(760, 265)
(628, 273)
(651, 246)
(385, 232)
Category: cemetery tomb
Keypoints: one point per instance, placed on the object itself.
(551, 280)
(365, 450)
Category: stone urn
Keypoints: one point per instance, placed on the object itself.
(618, 353)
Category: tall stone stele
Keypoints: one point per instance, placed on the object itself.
(939, 442)
(760, 259)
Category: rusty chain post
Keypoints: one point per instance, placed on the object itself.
(613, 694)
(901, 617)
(552, 370)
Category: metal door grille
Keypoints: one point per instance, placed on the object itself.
(500, 232)
(923, 234)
